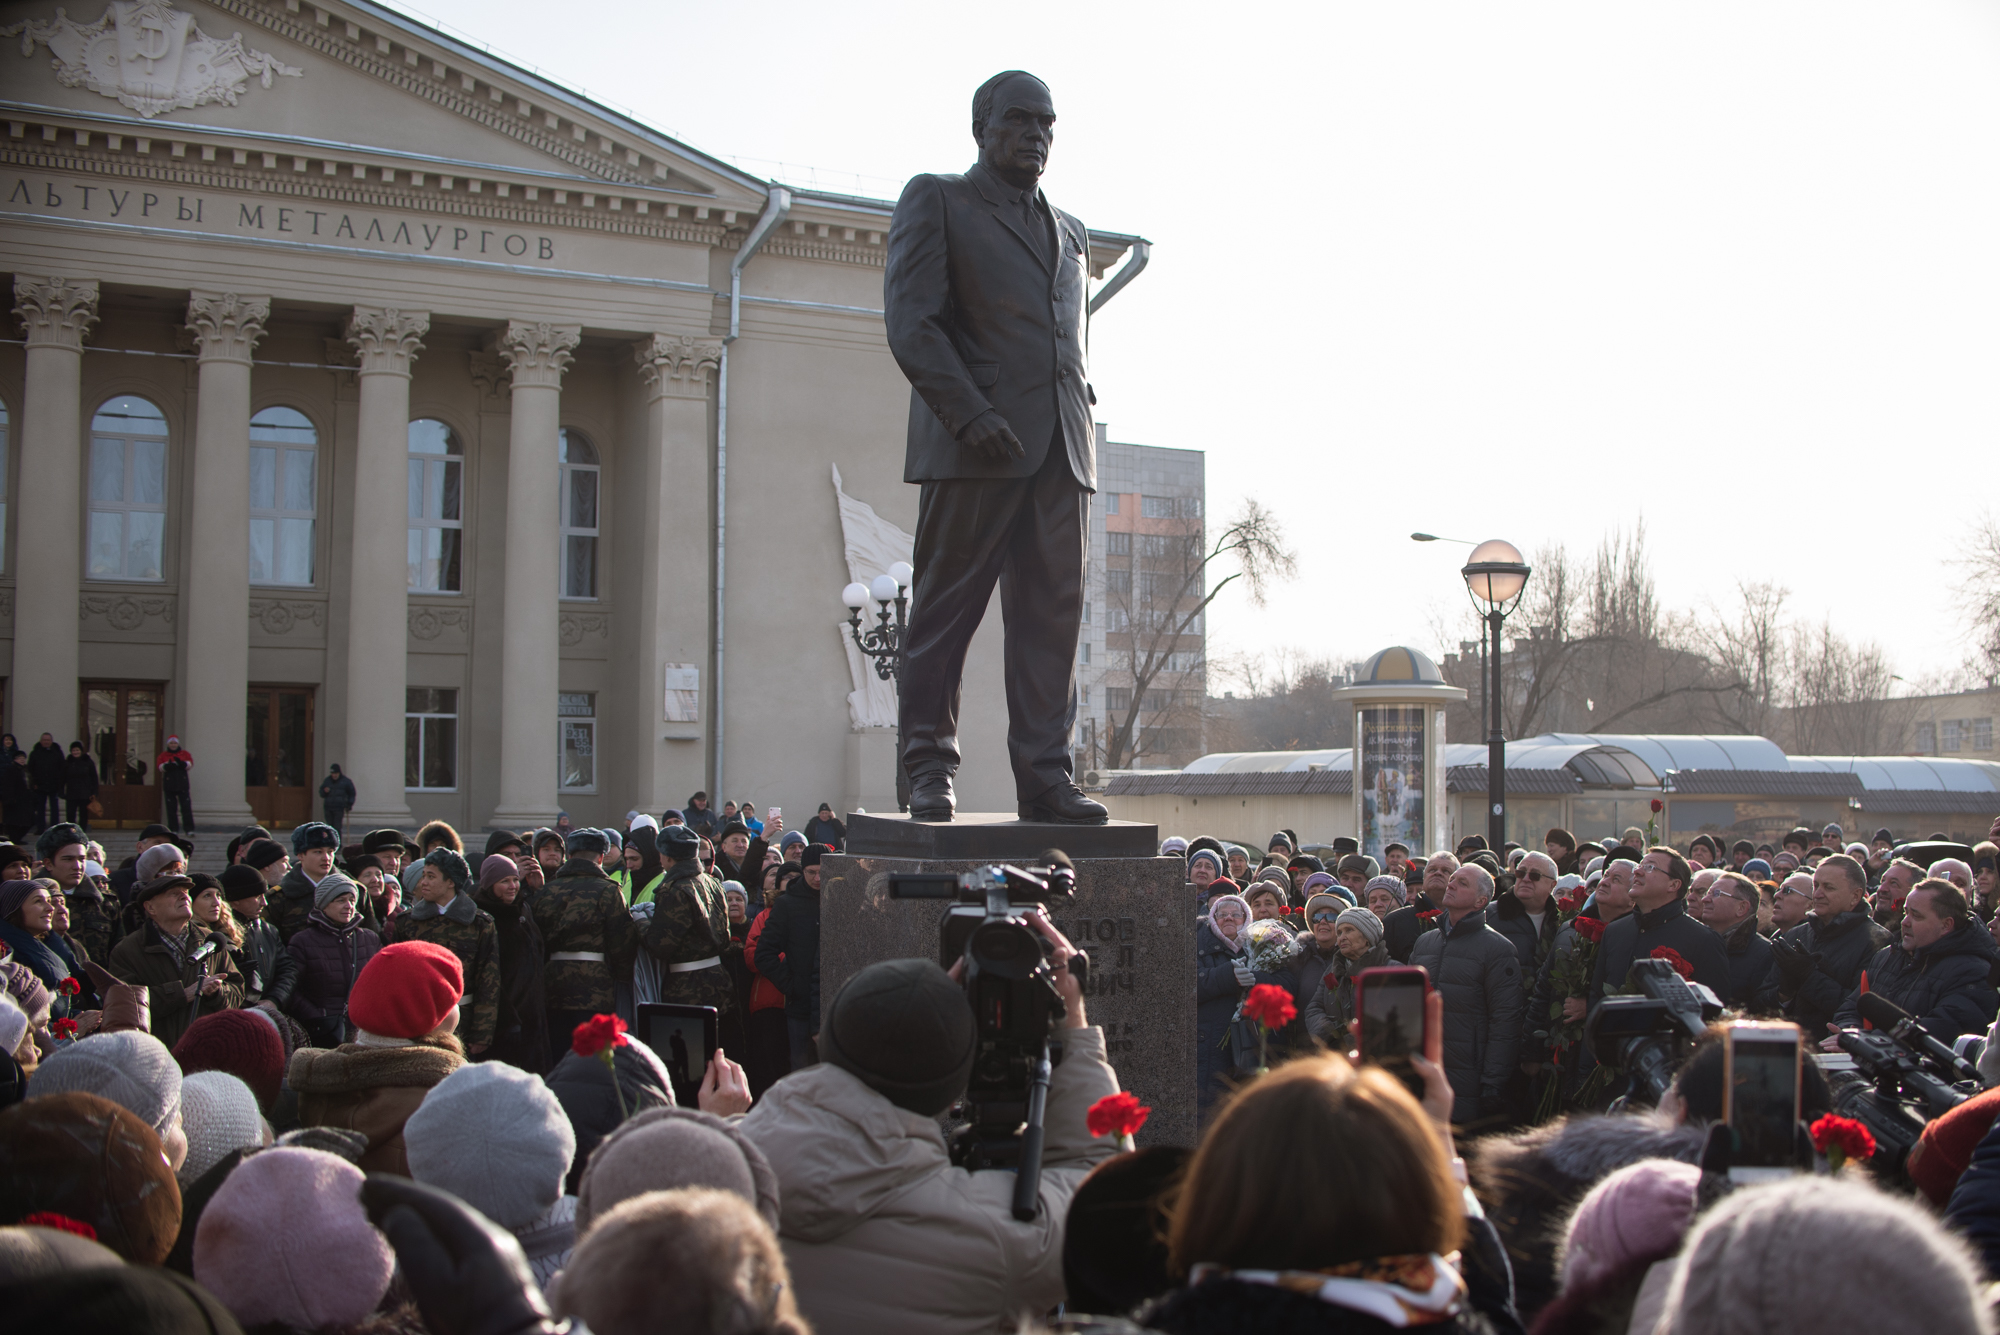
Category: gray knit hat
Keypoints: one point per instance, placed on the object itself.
(219, 1115)
(1756, 1265)
(154, 861)
(663, 1149)
(132, 1069)
(496, 1138)
(1363, 921)
(333, 887)
(1395, 885)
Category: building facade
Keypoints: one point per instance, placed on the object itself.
(380, 403)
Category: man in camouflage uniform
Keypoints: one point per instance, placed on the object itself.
(443, 913)
(688, 933)
(289, 903)
(589, 934)
(93, 914)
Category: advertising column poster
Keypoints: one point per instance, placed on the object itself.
(1391, 774)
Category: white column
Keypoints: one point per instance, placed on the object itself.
(378, 566)
(537, 354)
(48, 541)
(673, 541)
(226, 327)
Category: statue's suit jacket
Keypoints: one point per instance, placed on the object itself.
(977, 320)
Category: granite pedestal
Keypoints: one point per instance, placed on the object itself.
(1130, 915)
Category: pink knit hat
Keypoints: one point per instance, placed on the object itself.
(285, 1239)
(1639, 1213)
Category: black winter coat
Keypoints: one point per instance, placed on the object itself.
(17, 794)
(1947, 985)
(1509, 917)
(788, 951)
(1844, 946)
(1750, 959)
(270, 972)
(1974, 1211)
(79, 778)
(1479, 972)
(330, 958)
(1401, 929)
(45, 767)
(1637, 935)
(521, 1033)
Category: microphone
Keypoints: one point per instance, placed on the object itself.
(1887, 1016)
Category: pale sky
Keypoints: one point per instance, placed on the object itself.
(1521, 270)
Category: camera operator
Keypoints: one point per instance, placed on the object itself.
(882, 1232)
(1816, 964)
(1659, 900)
(1732, 914)
(1939, 971)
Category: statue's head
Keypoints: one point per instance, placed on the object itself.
(1014, 124)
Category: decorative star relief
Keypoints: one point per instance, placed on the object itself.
(149, 56)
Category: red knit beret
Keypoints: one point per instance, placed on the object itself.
(236, 1043)
(1944, 1152)
(406, 990)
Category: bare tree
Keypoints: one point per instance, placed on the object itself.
(1288, 705)
(1158, 607)
(1749, 647)
(1838, 695)
(1978, 592)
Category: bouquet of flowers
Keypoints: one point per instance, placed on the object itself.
(1270, 946)
(1569, 977)
(1271, 1007)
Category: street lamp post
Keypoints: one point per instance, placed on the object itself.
(883, 642)
(1495, 577)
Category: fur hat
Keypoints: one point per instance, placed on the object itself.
(451, 866)
(314, 834)
(285, 1239)
(904, 1029)
(133, 1070)
(86, 1157)
(586, 844)
(58, 837)
(677, 843)
(219, 1114)
(1636, 1216)
(494, 1137)
(407, 989)
(1757, 1264)
(242, 1043)
(664, 1149)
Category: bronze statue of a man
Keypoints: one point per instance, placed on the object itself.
(987, 316)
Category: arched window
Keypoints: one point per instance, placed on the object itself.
(284, 486)
(578, 497)
(128, 491)
(437, 506)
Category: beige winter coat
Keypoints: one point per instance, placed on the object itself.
(884, 1235)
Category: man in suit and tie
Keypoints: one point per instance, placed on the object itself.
(986, 313)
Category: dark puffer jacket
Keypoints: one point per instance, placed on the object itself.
(1844, 946)
(1637, 935)
(330, 957)
(1947, 985)
(1216, 992)
(1749, 965)
(1479, 972)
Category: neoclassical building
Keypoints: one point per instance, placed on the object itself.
(376, 402)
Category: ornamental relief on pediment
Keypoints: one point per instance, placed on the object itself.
(149, 56)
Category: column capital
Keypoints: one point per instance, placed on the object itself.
(676, 365)
(57, 311)
(538, 352)
(227, 326)
(387, 339)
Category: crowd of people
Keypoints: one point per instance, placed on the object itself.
(382, 1084)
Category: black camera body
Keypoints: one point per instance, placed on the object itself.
(1895, 1096)
(1649, 1035)
(1012, 990)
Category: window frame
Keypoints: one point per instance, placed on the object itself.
(93, 507)
(1982, 734)
(566, 471)
(425, 523)
(585, 724)
(277, 515)
(422, 717)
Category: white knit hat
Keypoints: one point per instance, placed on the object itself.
(13, 1024)
(132, 1069)
(219, 1114)
(495, 1137)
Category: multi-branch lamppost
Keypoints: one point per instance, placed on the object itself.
(883, 642)
(1495, 577)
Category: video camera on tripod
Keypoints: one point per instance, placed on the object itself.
(1012, 990)
(1907, 1079)
(1649, 1035)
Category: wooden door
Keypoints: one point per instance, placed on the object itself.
(278, 777)
(125, 725)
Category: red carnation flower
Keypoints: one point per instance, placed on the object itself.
(1658, 805)
(1119, 1114)
(1270, 1006)
(1569, 903)
(61, 1222)
(597, 1035)
(1430, 915)
(69, 987)
(1841, 1139)
(63, 1028)
(1590, 929)
(1675, 958)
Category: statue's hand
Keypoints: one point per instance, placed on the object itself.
(989, 435)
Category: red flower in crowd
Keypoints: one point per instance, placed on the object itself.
(597, 1035)
(1675, 958)
(1569, 903)
(1119, 1114)
(69, 987)
(1270, 1006)
(60, 1222)
(1430, 915)
(1841, 1139)
(63, 1028)
(1590, 929)
(1658, 805)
